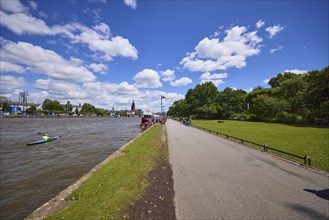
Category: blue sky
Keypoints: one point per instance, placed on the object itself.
(108, 53)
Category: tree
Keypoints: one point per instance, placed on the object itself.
(68, 107)
(5, 106)
(266, 108)
(281, 77)
(31, 110)
(88, 109)
(231, 102)
(178, 109)
(52, 106)
(293, 91)
(201, 95)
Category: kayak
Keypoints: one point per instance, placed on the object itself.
(44, 141)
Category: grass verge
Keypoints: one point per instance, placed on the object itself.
(107, 194)
(303, 141)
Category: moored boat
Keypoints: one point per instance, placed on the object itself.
(147, 119)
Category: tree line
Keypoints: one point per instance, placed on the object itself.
(53, 106)
(292, 99)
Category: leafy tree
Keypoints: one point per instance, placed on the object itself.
(68, 107)
(31, 110)
(231, 102)
(88, 109)
(202, 94)
(293, 91)
(178, 109)
(5, 106)
(281, 77)
(52, 106)
(266, 108)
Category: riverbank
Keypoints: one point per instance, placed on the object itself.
(115, 187)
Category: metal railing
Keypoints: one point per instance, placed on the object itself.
(306, 159)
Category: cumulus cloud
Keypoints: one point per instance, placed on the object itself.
(33, 5)
(44, 61)
(11, 67)
(99, 68)
(213, 54)
(9, 83)
(168, 75)
(260, 23)
(274, 30)
(13, 6)
(216, 78)
(181, 82)
(274, 50)
(147, 78)
(21, 23)
(98, 38)
(131, 3)
(296, 71)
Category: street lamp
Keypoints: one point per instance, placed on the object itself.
(162, 97)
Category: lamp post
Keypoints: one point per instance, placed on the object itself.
(162, 97)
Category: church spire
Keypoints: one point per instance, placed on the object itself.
(133, 108)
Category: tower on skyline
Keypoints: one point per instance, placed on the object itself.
(133, 108)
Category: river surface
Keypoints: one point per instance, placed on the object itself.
(31, 175)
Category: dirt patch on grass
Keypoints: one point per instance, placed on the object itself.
(157, 201)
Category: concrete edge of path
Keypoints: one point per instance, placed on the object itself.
(323, 172)
(59, 202)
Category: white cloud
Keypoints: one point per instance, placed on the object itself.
(13, 6)
(274, 50)
(11, 67)
(131, 3)
(260, 23)
(97, 39)
(9, 83)
(33, 5)
(168, 75)
(181, 82)
(147, 78)
(216, 78)
(99, 68)
(266, 81)
(44, 61)
(212, 55)
(274, 30)
(296, 71)
(20, 23)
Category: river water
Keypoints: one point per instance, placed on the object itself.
(31, 175)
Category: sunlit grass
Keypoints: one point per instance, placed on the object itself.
(303, 141)
(108, 193)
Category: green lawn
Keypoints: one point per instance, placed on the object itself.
(303, 141)
(108, 193)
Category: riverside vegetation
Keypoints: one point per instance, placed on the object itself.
(300, 140)
(110, 191)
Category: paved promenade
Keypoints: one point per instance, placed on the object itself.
(215, 178)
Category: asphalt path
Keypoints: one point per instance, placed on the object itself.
(215, 178)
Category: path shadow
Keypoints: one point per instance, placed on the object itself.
(308, 212)
(324, 194)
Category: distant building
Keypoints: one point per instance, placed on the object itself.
(132, 111)
(22, 97)
(76, 107)
(133, 108)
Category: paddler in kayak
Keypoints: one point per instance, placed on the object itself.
(45, 137)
